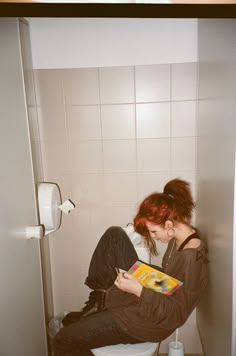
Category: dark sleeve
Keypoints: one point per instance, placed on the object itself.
(162, 309)
(176, 308)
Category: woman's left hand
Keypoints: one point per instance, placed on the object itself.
(128, 283)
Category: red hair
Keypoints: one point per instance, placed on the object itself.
(175, 204)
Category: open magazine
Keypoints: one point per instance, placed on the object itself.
(154, 279)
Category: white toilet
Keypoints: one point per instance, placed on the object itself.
(145, 348)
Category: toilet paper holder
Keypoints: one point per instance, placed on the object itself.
(51, 207)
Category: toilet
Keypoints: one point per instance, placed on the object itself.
(137, 240)
(142, 349)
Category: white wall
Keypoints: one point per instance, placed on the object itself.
(98, 42)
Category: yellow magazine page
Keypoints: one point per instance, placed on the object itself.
(154, 279)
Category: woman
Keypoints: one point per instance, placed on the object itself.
(120, 309)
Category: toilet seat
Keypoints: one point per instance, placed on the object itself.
(142, 349)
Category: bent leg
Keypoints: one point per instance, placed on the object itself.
(96, 330)
(114, 249)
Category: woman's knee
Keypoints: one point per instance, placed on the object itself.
(114, 229)
(116, 233)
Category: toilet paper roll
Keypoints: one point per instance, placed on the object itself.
(67, 206)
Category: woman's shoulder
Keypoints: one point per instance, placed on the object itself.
(196, 252)
(192, 241)
(195, 242)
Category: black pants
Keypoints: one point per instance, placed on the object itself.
(114, 249)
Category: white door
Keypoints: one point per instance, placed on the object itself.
(22, 326)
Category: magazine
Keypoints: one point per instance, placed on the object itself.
(154, 279)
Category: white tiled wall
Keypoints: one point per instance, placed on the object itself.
(153, 120)
(109, 137)
(117, 85)
(153, 83)
(118, 121)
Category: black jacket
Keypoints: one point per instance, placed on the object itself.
(154, 316)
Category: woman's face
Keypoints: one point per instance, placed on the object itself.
(158, 232)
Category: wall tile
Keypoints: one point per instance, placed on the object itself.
(152, 83)
(81, 222)
(65, 278)
(118, 121)
(153, 120)
(119, 215)
(117, 85)
(48, 87)
(119, 156)
(66, 229)
(183, 154)
(69, 301)
(52, 125)
(88, 230)
(151, 182)
(81, 86)
(184, 81)
(69, 239)
(98, 222)
(87, 189)
(55, 158)
(86, 157)
(83, 123)
(153, 155)
(120, 189)
(183, 118)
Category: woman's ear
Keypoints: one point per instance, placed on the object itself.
(169, 224)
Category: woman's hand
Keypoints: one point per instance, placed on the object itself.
(128, 283)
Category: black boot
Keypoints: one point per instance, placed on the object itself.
(95, 304)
